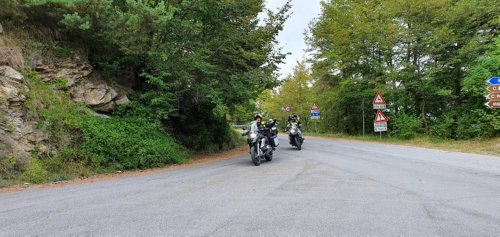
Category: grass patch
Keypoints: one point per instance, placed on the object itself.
(487, 146)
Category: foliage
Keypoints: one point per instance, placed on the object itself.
(128, 143)
(56, 113)
(405, 126)
(429, 58)
(295, 91)
(79, 139)
(443, 126)
(36, 172)
(193, 59)
(60, 83)
(8, 167)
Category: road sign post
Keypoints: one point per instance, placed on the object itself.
(494, 81)
(315, 114)
(493, 104)
(378, 101)
(380, 127)
(493, 97)
(363, 110)
(380, 123)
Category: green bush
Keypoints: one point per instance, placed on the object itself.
(55, 112)
(128, 143)
(36, 172)
(443, 127)
(60, 83)
(79, 140)
(405, 126)
(477, 124)
(68, 163)
(8, 168)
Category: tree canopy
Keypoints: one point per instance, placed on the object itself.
(195, 61)
(430, 59)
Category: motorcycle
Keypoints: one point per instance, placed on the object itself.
(295, 136)
(260, 146)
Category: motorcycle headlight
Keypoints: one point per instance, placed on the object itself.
(293, 131)
(253, 135)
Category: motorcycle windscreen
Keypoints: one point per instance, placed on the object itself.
(276, 141)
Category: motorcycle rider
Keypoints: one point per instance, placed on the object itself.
(294, 119)
(257, 123)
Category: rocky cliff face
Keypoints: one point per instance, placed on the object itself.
(18, 134)
(86, 85)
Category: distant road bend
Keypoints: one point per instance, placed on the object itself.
(329, 188)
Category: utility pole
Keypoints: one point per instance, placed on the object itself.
(363, 109)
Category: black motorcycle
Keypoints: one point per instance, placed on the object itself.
(295, 136)
(260, 146)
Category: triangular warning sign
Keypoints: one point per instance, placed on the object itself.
(315, 106)
(380, 117)
(378, 100)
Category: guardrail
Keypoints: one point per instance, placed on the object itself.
(240, 126)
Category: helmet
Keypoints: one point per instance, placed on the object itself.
(257, 116)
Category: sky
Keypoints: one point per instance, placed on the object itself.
(291, 39)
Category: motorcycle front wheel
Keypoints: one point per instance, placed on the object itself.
(298, 143)
(270, 156)
(254, 156)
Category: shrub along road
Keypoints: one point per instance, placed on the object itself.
(330, 187)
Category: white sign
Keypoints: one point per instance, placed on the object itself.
(380, 127)
(379, 106)
(315, 114)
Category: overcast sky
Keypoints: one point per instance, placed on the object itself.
(292, 37)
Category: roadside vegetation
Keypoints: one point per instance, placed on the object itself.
(193, 63)
(429, 59)
(81, 144)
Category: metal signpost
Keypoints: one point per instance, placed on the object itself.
(494, 96)
(315, 114)
(380, 123)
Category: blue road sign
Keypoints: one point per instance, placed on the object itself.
(494, 81)
(315, 114)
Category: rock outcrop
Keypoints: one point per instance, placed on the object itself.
(86, 85)
(18, 135)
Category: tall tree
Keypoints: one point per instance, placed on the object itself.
(417, 52)
(295, 92)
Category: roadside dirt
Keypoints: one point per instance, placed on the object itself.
(197, 160)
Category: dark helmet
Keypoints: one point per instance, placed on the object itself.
(257, 116)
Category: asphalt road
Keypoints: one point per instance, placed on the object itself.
(329, 188)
